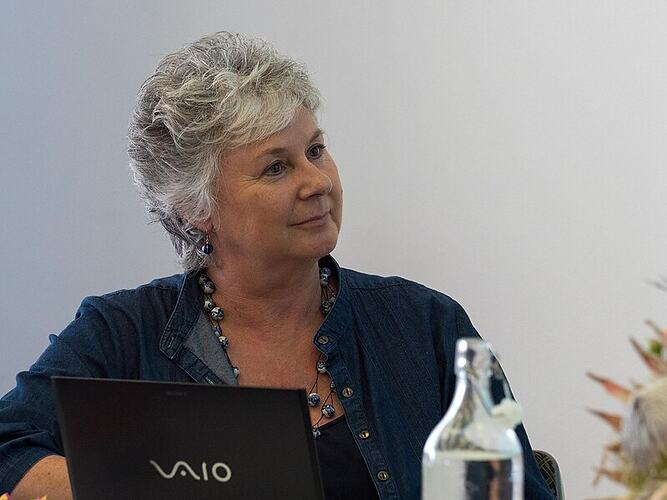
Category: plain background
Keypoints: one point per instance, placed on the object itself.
(510, 154)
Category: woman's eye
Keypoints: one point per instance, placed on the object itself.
(316, 151)
(276, 168)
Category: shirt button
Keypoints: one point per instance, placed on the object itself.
(383, 475)
(322, 339)
(347, 392)
(364, 434)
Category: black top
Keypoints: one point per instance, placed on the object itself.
(344, 472)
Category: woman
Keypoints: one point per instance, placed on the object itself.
(227, 152)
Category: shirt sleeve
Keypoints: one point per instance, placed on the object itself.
(534, 486)
(29, 428)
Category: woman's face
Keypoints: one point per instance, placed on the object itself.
(279, 198)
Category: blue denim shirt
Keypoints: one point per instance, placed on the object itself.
(389, 340)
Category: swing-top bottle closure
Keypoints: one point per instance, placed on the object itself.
(475, 361)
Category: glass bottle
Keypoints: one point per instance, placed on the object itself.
(473, 453)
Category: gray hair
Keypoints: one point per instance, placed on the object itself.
(220, 92)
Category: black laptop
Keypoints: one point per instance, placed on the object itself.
(144, 440)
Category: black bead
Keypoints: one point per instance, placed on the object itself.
(217, 313)
(328, 410)
(207, 248)
(325, 273)
(326, 307)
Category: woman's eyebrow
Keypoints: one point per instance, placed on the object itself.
(280, 149)
(317, 133)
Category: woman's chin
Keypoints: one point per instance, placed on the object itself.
(323, 247)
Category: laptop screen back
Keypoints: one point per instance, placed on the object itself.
(137, 439)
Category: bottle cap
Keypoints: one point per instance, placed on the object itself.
(473, 355)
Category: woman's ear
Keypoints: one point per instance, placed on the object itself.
(203, 227)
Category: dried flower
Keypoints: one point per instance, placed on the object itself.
(638, 458)
(644, 435)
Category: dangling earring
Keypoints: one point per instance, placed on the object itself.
(207, 248)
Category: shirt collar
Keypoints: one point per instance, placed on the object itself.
(184, 318)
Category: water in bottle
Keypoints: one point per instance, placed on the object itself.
(473, 453)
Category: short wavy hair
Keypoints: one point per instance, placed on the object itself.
(220, 92)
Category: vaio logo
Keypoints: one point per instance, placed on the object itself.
(185, 469)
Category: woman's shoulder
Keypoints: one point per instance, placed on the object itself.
(162, 289)
(123, 316)
(171, 283)
(406, 309)
(405, 298)
(360, 281)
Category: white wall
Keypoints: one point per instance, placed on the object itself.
(508, 153)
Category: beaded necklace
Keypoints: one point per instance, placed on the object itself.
(327, 299)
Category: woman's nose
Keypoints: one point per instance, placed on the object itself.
(314, 180)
